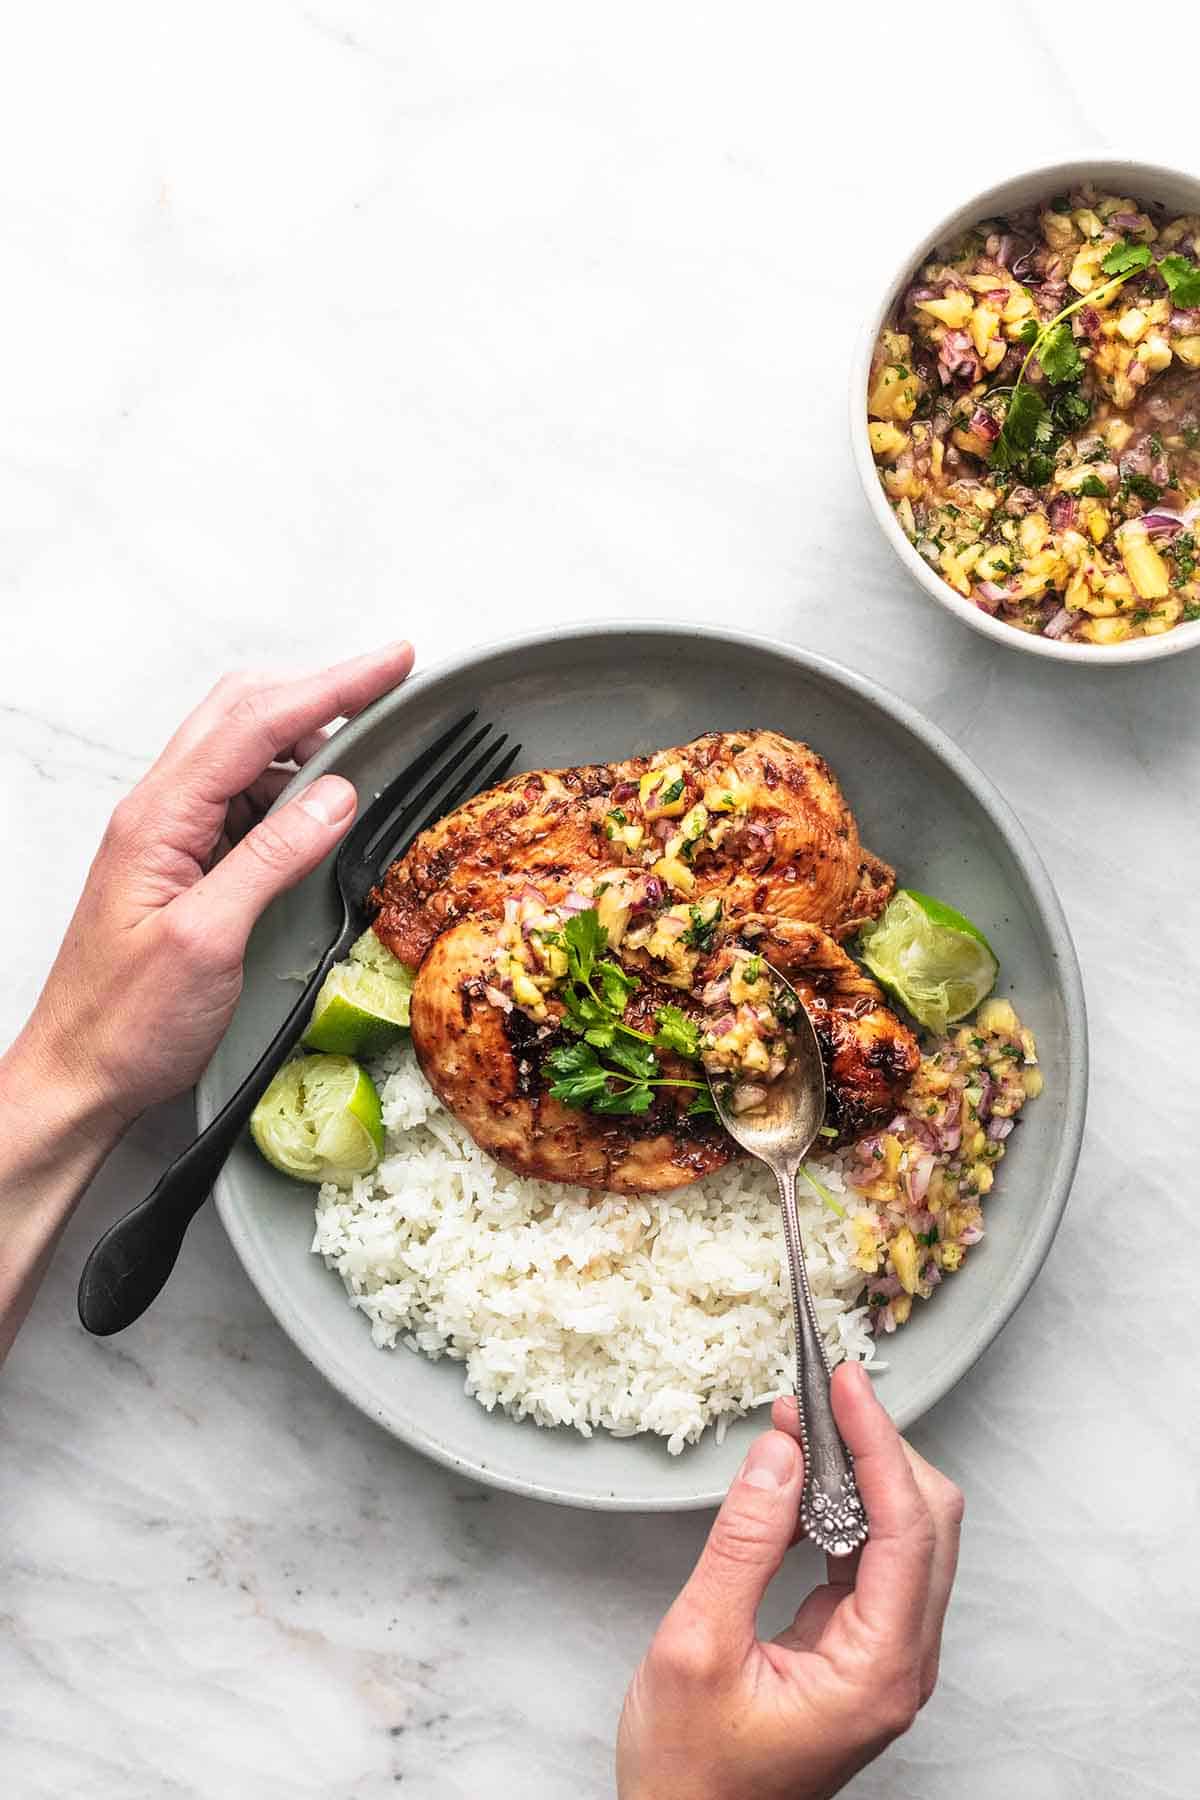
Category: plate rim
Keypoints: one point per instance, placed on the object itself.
(1052, 916)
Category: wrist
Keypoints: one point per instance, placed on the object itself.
(49, 1089)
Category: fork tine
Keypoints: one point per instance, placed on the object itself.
(377, 812)
(483, 773)
(397, 803)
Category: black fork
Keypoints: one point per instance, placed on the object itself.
(130, 1265)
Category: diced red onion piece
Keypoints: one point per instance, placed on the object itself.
(917, 1178)
(1058, 624)
(496, 998)
(972, 1235)
(624, 790)
(998, 1129)
(716, 993)
(747, 1097)
(725, 1024)
(1161, 520)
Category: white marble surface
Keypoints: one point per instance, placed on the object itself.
(330, 320)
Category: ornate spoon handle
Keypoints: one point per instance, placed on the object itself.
(831, 1511)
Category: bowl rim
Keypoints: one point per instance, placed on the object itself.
(339, 1371)
(1138, 650)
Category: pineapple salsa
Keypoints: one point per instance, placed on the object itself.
(1034, 413)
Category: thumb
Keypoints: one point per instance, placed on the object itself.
(280, 851)
(748, 1542)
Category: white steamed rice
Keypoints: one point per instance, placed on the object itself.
(656, 1313)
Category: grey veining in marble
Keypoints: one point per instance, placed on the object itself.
(331, 320)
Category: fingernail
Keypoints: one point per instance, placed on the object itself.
(862, 1381)
(328, 799)
(771, 1462)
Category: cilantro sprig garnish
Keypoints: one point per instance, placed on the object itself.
(1181, 276)
(595, 995)
(1029, 428)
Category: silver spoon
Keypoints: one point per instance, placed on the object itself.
(780, 1133)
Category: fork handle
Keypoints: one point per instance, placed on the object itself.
(131, 1264)
(831, 1509)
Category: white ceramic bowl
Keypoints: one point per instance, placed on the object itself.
(1142, 181)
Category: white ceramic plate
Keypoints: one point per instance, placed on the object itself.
(607, 692)
(1142, 181)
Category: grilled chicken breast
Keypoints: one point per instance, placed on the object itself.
(752, 820)
(484, 1065)
(794, 852)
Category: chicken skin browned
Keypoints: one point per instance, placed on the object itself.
(791, 848)
(485, 1065)
(736, 846)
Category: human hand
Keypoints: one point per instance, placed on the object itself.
(151, 966)
(714, 1713)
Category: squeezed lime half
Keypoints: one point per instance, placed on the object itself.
(931, 958)
(363, 1003)
(320, 1120)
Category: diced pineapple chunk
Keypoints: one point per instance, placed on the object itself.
(1155, 352)
(1058, 229)
(1132, 324)
(866, 1243)
(675, 873)
(953, 309)
(897, 386)
(984, 325)
(1117, 434)
(902, 1308)
(886, 440)
(1034, 530)
(1033, 1082)
(1017, 306)
(906, 1259)
(955, 574)
(1145, 567)
(525, 991)
(612, 910)
(891, 1157)
(662, 794)
(1085, 270)
(1089, 225)
(1187, 349)
(1166, 614)
(1103, 631)
(997, 1015)
(1098, 521)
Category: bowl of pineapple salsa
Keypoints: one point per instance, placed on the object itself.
(1026, 412)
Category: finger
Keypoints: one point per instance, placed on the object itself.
(274, 856)
(307, 748)
(945, 1503)
(240, 729)
(785, 1416)
(745, 1547)
(892, 1581)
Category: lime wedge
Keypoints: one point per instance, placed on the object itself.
(320, 1120)
(363, 1004)
(932, 959)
